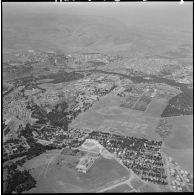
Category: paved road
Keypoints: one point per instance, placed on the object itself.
(115, 185)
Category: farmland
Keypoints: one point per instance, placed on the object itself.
(157, 106)
(182, 136)
(106, 114)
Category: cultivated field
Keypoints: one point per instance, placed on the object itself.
(182, 133)
(107, 113)
(156, 106)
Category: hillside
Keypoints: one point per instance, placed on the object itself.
(81, 33)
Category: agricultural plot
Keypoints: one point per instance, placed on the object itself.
(126, 128)
(107, 101)
(129, 102)
(111, 116)
(182, 136)
(156, 106)
(181, 104)
(143, 103)
(138, 100)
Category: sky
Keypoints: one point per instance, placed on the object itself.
(130, 13)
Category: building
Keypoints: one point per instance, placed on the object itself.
(87, 162)
(93, 149)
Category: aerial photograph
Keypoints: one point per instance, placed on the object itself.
(97, 97)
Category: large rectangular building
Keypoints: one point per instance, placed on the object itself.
(86, 162)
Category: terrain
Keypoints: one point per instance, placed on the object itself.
(128, 89)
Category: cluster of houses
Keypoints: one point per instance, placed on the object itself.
(87, 57)
(14, 106)
(140, 155)
(86, 92)
(87, 162)
(183, 75)
(93, 150)
(45, 135)
(48, 134)
(79, 95)
(14, 147)
(180, 180)
(12, 98)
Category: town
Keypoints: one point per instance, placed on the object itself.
(38, 113)
(141, 155)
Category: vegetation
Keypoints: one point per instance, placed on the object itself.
(143, 103)
(129, 102)
(181, 104)
(57, 116)
(62, 77)
(18, 181)
(164, 128)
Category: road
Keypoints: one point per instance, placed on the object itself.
(115, 185)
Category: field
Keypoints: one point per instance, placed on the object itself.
(141, 186)
(182, 136)
(147, 188)
(182, 104)
(120, 188)
(157, 106)
(107, 113)
(136, 183)
(153, 188)
(183, 157)
(180, 143)
(63, 177)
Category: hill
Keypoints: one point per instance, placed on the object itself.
(83, 33)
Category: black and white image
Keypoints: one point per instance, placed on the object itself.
(97, 97)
